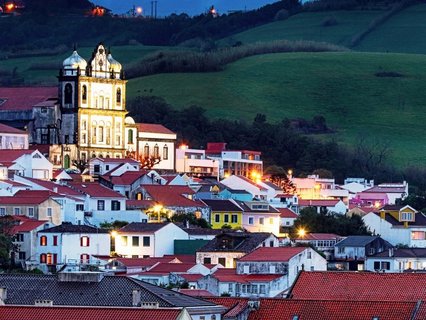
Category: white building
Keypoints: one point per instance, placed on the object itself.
(156, 141)
(100, 166)
(195, 162)
(320, 205)
(242, 183)
(141, 240)
(398, 225)
(398, 260)
(259, 216)
(70, 244)
(11, 138)
(27, 163)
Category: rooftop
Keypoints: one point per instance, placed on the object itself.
(171, 196)
(140, 227)
(318, 202)
(95, 190)
(222, 205)
(281, 254)
(67, 227)
(8, 129)
(402, 253)
(356, 241)
(153, 128)
(236, 242)
(24, 98)
(287, 213)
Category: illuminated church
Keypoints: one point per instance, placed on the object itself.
(93, 111)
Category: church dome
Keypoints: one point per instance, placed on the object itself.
(113, 64)
(129, 120)
(74, 61)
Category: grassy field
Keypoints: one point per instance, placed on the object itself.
(123, 54)
(308, 26)
(342, 87)
(404, 32)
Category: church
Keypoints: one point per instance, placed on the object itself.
(92, 99)
(88, 117)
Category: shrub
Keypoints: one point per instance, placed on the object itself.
(329, 22)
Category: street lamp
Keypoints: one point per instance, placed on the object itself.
(301, 232)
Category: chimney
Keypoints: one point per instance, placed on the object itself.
(136, 297)
(3, 295)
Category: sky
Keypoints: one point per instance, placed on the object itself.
(191, 7)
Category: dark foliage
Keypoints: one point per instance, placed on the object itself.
(328, 222)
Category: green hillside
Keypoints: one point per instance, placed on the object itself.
(342, 87)
(44, 69)
(404, 32)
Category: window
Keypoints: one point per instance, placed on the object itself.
(101, 133)
(217, 218)
(84, 93)
(165, 152)
(30, 212)
(118, 96)
(262, 289)
(146, 151)
(19, 237)
(49, 212)
(406, 216)
(115, 205)
(130, 136)
(222, 261)
(261, 220)
(341, 249)
(226, 218)
(271, 220)
(43, 241)
(272, 269)
(230, 287)
(43, 258)
(156, 151)
(83, 138)
(84, 241)
(17, 211)
(84, 258)
(207, 260)
(309, 255)
(381, 265)
(101, 205)
(79, 207)
(124, 240)
(271, 243)
(135, 241)
(254, 288)
(372, 251)
(2, 211)
(246, 269)
(234, 218)
(146, 241)
(55, 240)
(250, 220)
(22, 255)
(418, 235)
(68, 94)
(96, 168)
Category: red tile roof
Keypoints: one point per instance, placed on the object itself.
(25, 98)
(191, 277)
(28, 197)
(171, 196)
(142, 262)
(284, 195)
(287, 213)
(153, 128)
(127, 178)
(277, 309)
(58, 188)
(359, 286)
(282, 254)
(235, 306)
(140, 204)
(230, 275)
(86, 313)
(14, 183)
(12, 155)
(7, 129)
(166, 268)
(196, 292)
(26, 224)
(95, 190)
(318, 202)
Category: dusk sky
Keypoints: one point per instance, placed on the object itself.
(191, 7)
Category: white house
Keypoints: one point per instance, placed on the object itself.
(27, 163)
(259, 216)
(243, 183)
(100, 166)
(283, 200)
(398, 225)
(195, 161)
(11, 138)
(331, 205)
(70, 244)
(398, 260)
(155, 140)
(141, 240)
(287, 217)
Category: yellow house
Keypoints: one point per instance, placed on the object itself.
(225, 212)
(405, 214)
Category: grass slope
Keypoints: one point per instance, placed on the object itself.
(404, 32)
(308, 26)
(123, 54)
(340, 86)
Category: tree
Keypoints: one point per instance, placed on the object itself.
(7, 247)
(81, 165)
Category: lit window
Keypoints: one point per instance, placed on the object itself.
(418, 235)
(43, 241)
(156, 151)
(165, 152)
(124, 241)
(43, 258)
(84, 241)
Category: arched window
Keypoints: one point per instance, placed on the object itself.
(156, 151)
(118, 97)
(130, 137)
(101, 133)
(146, 151)
(68, 94)
(165, 152)
(66, 161)
(84, 93)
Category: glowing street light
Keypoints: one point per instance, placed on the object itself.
(139, 10)
(301, 232)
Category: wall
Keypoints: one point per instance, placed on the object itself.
(165, 237)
